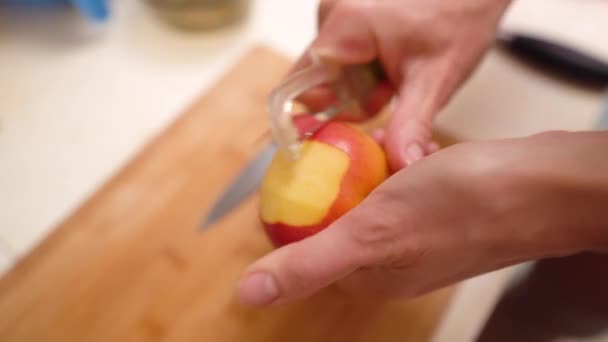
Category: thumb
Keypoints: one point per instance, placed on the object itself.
(408, 134)
(302, 268)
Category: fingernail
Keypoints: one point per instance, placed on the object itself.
(258, 289)
(413, 153)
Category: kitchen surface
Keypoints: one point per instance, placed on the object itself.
(80, 100)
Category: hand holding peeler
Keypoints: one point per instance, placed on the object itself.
(353, 85)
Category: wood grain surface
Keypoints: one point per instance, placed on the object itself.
(131, 265)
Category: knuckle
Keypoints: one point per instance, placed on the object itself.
(377, 227)
(497, 173)
(384, 233)
(298, 272)
(475, 159)
(412, 251)
(480, 161)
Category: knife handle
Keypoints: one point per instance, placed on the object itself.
(556, 58)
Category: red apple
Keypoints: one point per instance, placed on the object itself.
(338, 166)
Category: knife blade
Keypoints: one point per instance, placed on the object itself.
(245, 183)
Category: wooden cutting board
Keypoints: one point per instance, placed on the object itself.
(131, 265)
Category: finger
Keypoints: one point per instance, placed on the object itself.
(325, 7)
(432, 147)
(301, 62)
(318, 98)
(345, 45)
(354, 43)
(380, 96)
(409, 132)
(378, 135)
(302, 268)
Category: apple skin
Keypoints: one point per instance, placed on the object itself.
(365, 167)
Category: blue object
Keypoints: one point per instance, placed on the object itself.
(96, 10)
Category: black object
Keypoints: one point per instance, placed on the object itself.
(558, 59)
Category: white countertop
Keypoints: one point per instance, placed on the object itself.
(78, 102)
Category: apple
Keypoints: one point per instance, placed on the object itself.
(338, 166)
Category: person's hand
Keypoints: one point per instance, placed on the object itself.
(427, 48)
(463, 211)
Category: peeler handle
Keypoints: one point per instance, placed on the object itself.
(281, 103)
(353, 87)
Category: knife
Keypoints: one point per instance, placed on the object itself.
(354, 83)
(557, 59)
(242, 186)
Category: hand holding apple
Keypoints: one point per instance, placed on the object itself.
(466, 210)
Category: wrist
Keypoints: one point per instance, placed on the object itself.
(576, 207)
(578, 179)
(563, 183)
(586, 194)
(548, 193)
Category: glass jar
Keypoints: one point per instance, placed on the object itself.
(200, 14)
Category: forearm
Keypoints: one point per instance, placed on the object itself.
(559, 189)
(585, 189)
